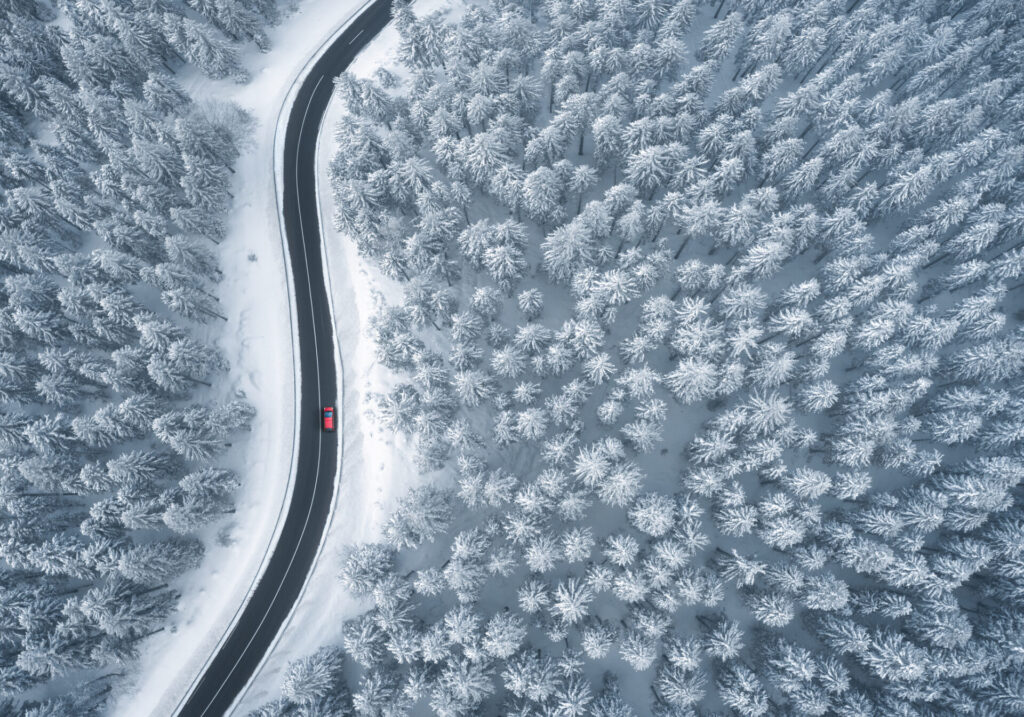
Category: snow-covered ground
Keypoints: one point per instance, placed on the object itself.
(377, 467)
(258, 343)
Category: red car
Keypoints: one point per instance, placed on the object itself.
(328, 419)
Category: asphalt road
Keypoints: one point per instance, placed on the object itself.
(292, 558)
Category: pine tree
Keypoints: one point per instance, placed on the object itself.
(365, 566)
(420, 516)
(653, 514)
(155, 563)
(504, 634)
(316, 680)
(201, 47)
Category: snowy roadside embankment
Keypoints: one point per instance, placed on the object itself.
(377, 467)
(259, 343)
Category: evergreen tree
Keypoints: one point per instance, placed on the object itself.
(317, 681)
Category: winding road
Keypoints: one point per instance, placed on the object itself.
(292, 558)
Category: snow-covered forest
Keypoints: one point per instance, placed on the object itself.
(114, 186)
(711, 341)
